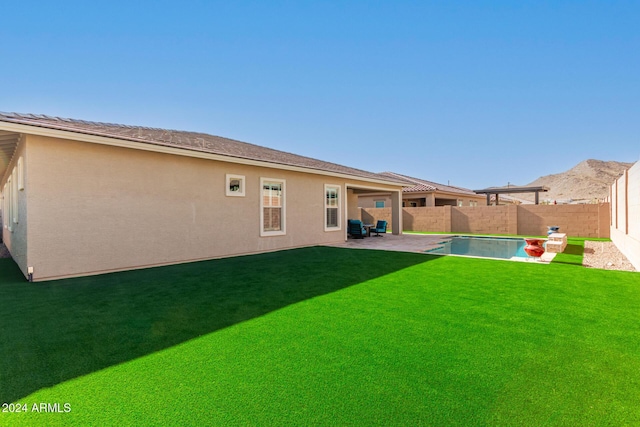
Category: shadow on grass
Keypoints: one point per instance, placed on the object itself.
(55, 331)
(573, 254)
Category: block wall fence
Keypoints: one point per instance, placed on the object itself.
(625, 214)
(574, 220)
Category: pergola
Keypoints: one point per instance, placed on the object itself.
(507, 190)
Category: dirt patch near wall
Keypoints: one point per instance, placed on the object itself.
(4, 252)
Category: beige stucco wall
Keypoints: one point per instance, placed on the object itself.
(633, 201)
(16, 239)
(97, 208)
(368, 201)
(444, 199)
(430, 200)
(625, 225)
(353, 212)
(575, 220)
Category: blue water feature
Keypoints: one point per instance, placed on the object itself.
(485, 247)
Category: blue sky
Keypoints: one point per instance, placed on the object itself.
(473, 93)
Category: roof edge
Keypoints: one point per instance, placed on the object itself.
(40, 130)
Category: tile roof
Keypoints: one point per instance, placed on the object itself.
(416, 185)
(192, 141)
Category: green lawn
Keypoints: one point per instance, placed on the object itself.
(574, 252)
(325, 336)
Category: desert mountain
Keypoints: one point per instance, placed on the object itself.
(587, 181)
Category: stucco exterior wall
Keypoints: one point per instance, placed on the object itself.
(15, 239)
(370, 201)
(575, 220)
(621, 211)
(353, 212)
(633, 201)
(97, 208)
(430, 199)
(625, 226)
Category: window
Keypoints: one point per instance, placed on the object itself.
(459, 203)
(4, 206)
(20, 175)
(332, 207)
(14, 196)
(235, 185)
(379, 203)
(8, 201)
(272, 207)
(413, 204)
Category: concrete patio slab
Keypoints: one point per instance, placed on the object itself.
(400, 243)
(419, 243)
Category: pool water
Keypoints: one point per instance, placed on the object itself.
(485, 247)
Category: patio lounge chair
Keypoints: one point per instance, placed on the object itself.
(381, 227)
(356, 229)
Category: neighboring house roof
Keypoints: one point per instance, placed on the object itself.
(192, 141)
(416, 185)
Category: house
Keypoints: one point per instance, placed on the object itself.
(419, 192)
(83, 198)
(624, 194)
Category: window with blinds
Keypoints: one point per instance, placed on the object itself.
(332, 207)
(272, 205)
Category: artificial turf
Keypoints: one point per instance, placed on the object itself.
(325, 336)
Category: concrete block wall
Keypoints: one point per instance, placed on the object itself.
(574, 220)
(484, 220)
(414, 219)
(383, 214)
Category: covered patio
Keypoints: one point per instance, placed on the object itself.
(508, 190)
(352, 210)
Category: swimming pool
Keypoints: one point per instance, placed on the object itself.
(484, 247)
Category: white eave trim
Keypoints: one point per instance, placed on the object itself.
(154, 147)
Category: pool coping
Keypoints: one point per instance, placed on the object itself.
(416, 243)
(546, 257)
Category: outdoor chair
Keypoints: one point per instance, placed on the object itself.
(356, 229)
(381, 227)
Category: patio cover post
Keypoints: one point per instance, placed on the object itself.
(396, 212)
(488, 199)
